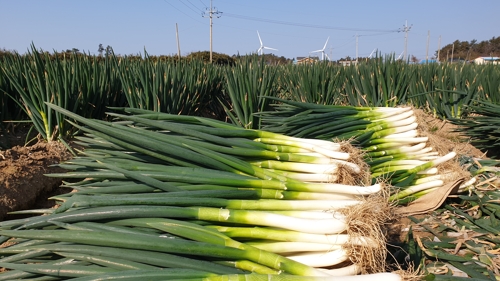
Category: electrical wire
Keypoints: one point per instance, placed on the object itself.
(182, 12)
(189, 7)
(307, 25)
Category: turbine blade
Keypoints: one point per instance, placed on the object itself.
(259, 38)
(324, 47)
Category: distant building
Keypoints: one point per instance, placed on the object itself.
(347, 62)
(305, 60)
(428, 61)
(484, 60)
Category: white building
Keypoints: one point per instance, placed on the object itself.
(484, 60)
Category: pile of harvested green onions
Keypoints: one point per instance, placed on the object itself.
(393, 148)
(162, 196)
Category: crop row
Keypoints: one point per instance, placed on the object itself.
(87, 85)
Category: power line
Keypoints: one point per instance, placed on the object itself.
(201, 10)
(182, 12)
(189, 7)
(203, 4)
(307, 25)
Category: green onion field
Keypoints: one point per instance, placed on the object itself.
(177, 169)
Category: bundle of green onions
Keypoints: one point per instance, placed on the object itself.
(388, 136)
(173, 197)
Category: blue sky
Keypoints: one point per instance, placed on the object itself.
(294, 27)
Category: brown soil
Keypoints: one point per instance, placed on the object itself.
(23, 184)
(442, 136)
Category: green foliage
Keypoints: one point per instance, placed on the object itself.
(382, 82)
(481, 123)
(217, 58)
(246, 85)
(179, 88)
(73, 81)
(465, 50)
(231, 88)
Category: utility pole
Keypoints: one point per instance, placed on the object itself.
(178, 43)
(356, 48)
(427, 49)
(406, 29)
(210, 14)
(439, 47)
(452, 50)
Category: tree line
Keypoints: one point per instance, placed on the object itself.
(469, 50)
(456, 51)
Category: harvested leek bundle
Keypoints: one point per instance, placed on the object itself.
(388, 137)
(168, 184)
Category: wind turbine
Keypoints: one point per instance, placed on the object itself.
(371, 54)
(262, 47)
(323, 54)
(399, 57)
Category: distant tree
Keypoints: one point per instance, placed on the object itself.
(100, 49)
(464, 50)
(109, 50)
(217, 58)
(414, 59)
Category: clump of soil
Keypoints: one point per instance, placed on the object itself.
(22, 175)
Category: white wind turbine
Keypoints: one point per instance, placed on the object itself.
(323, 54)
(262, 47)
(371, 54)
(399, 57)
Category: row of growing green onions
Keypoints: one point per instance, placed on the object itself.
(388, 137)
(182, 197)
(86, 84)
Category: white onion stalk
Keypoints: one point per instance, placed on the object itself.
(301, 195)
(341, 188)
(395, 130)
(326, 148)
(385, 112)
(282, 205)
(431, 171)
(420, 152)
(402, 150)
(320, 258)
(445, 177)
(294, 236)
(392, 143)
(314, 154)
(291, 247)
(467, 185)
(301, 167)
(402, 135)
(399, 121)
(429, 156)
(306, 177)
(416, 188)
(312, 214)
(347, 273)
(426, 179)
(390, 119)
(313, 226)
